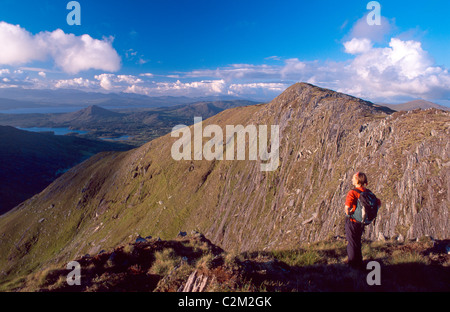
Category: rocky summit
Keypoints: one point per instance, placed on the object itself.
(325, 137)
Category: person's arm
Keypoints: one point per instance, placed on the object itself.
(347, 210)
(350, 202)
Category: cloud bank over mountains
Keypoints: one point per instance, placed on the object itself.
(376, 69)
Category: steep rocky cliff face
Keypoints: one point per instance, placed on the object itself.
(324, 138)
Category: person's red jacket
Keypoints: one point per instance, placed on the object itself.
(352, 200)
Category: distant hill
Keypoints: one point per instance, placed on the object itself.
(204, 109)
(142, 124)
(31, 161)
(6, 104)
(13, 98)
(92, 113)
(416, 104)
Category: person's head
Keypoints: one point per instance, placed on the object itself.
(359, 179)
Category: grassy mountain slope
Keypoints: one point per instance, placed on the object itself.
(325, 137)
(29, 161)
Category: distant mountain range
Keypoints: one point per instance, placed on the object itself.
(142, 125)
(416, 104)
(14, 98)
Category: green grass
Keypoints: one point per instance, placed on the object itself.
(165, 261)
(317, 267)
(401, 257)
(299, 257)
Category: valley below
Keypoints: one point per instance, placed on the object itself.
(134, 126)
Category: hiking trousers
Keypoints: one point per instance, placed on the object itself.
(353, 233)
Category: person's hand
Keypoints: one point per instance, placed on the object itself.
(347, 210)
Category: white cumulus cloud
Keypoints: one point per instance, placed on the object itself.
(71, 53)
(18, 46)
(116, 82)
(74, 83)
(401, 69)
(204, 87)
(105, 81)
(376, 33)
(356, 45)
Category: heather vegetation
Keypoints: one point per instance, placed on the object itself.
(193, 263)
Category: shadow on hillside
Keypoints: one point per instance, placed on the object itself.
(155, 265)
(126, 269)
(329, 273)
(339, 277)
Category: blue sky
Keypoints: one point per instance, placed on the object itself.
(244, 48)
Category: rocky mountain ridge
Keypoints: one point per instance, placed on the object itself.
(325, 137)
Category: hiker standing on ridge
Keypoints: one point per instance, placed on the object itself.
(354, 224)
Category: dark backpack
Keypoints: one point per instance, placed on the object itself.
(366, 208)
